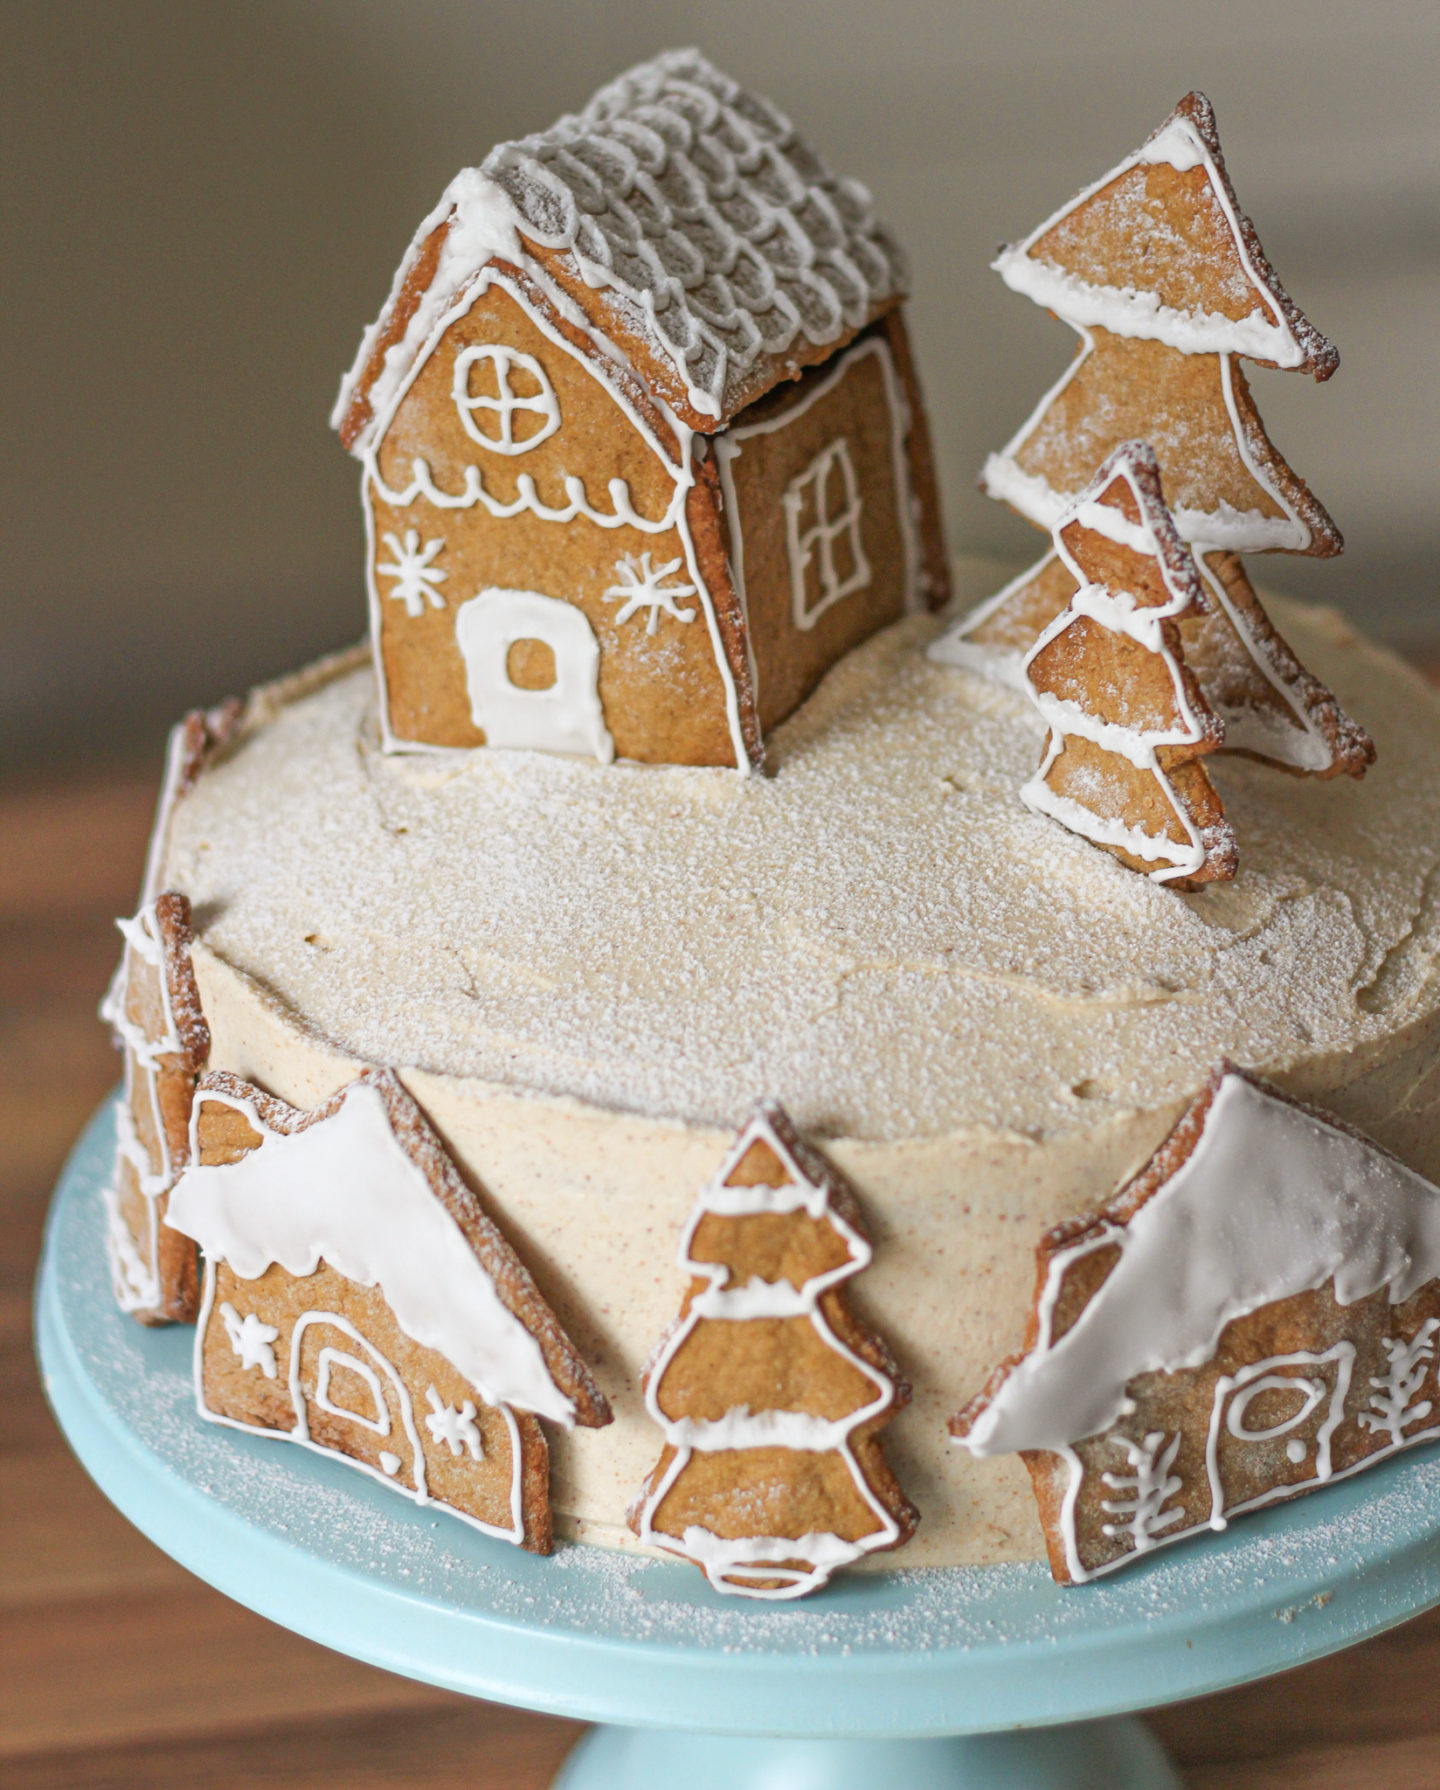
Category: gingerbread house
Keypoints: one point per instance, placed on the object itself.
(643, 451)
(358, 1300)
(1255, 1314)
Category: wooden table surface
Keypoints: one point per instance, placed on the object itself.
(120, 1670)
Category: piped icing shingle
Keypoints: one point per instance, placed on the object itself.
(695, 221)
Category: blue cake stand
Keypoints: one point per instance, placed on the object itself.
(959, 1678)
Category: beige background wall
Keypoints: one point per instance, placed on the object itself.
(203, 204)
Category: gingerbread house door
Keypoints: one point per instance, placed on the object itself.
(349, 1397)
(532, 667)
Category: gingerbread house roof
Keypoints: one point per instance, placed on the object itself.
(1252, 1199)
(687, 220)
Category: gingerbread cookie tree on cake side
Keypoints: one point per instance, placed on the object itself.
(769, 1391)
(1165, 281)
(643, 449)
(1127, 721)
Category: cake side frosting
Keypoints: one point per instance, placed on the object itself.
(572, 1007)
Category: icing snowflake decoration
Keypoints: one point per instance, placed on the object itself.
(414, 570)
(642, 587)
(456, 1429)
(251, 1339)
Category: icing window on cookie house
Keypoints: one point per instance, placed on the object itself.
(520, 419)
(1301, 1376)
(822, 534)
(329, 1360)
(566, 715)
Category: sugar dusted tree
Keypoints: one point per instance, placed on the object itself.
(1128, 723)
(769, 1390)
(1165, 281)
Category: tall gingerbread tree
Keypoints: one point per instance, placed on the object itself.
(1128, 722)
(1165, 281)
(768, 1389)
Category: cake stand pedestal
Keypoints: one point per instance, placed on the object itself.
(962, 1678)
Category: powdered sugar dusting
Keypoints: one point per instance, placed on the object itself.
(879, 935)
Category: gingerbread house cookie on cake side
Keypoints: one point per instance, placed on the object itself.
(359, 1301)
(1255, 1313)
(643, 448)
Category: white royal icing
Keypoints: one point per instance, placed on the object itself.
(740, 1427)
(135, 1262)
(1271, 1202)
(730, 445)
(564, 717)
(370, 1364)
(417, 577)
(719, 231)
(343, 1190)
(808, 496)
(1263, 334)
(643, 587)
(504, 406)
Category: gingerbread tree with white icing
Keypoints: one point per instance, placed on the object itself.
(1163, 277)
(1128, 723)
(769, 1390)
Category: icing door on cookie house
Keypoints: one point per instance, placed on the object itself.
(347, 1396)
(563, 715)
(818, 505)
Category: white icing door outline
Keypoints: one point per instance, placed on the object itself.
(542, 403)
(823, 533)
(402, 1396)
(566, 717)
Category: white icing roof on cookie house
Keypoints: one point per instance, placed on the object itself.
(717, 232)
(1269, 1203)
(879, 935)
(345, 1192)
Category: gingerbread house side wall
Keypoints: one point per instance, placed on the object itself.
(323, 1362)
(823, 522)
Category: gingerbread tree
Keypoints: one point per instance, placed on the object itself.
(769, 1390)
(1164, 279)
(1128, 721)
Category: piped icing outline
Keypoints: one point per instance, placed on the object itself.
(1259, 1165)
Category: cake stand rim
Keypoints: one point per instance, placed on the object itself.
(1043, 1679)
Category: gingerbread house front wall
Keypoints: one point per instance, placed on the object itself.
(322, 1360)
(823, 538)
(532, 578)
